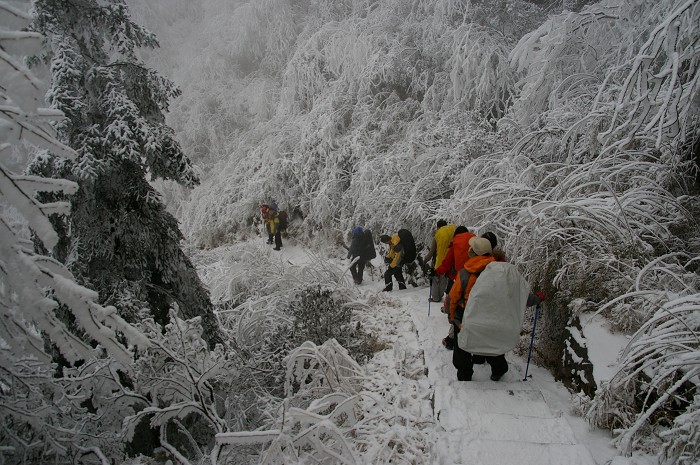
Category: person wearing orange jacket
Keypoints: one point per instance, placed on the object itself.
(441, 243)
(479, 256)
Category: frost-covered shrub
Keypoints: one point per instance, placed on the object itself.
(320, 314)
(654, 388)
(177, 378)
(681, 439)
(332, 414)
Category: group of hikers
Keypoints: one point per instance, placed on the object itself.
(479, 287)
(493, 310)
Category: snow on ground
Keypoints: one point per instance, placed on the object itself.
(603, 346)
(478, 422)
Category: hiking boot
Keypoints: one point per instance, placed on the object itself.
(463, 376)
(449, 343)
(276, 248)
(496, 377)
(402, 286)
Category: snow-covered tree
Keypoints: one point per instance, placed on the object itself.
(45, 416)
(119, 239)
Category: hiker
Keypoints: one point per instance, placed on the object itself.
(487, 317)
(497, 252)
(441, 243)
(272, 222)
(454, 261)
(264, 208)
(394, 262)
(362, 248)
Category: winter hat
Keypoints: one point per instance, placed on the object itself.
(356, 231)
(384, 238)
(492, 239)
(480, 246)
(441, 223)
(461, 229)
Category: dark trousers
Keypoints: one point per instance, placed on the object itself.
(358, 269)
(278, 239)
(394, 272)
(464, 362)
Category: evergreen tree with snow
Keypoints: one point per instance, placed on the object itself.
(119, 239)
(48, 415)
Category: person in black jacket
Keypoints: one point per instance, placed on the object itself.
(362, 249)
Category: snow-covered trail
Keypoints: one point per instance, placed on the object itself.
(479, 422)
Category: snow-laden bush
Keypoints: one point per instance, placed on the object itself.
(266, 308)
(655, 386)
(319, 315)
(332, 414)
(178, 377)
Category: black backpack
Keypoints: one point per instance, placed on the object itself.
(284, 220)
(368, 251)
(408, 244)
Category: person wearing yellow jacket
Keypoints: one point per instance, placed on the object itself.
(441, 244)
(272, 223)
(393, 261)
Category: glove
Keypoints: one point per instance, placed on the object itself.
(387, 260)
(540, 294)
(431, 272)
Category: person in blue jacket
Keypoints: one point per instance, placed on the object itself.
(361, 251)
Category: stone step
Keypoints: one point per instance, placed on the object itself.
(469, 398)
(456, 449)
(504, 427)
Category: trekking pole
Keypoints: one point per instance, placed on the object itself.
(430, 295)
(532, 339)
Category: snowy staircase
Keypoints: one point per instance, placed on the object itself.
(488, 423)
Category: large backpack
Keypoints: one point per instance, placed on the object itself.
(495, 311)
(284, 220)
(368, 251)
(408, 244)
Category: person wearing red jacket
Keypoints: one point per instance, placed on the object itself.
(453, 261)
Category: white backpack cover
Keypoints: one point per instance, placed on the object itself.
(495, 311)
